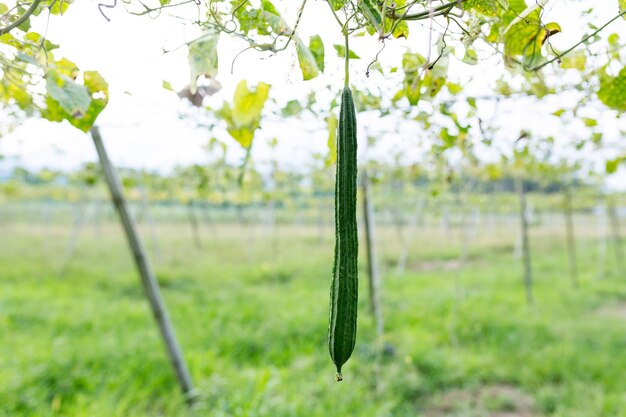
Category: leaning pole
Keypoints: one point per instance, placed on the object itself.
(148, 279)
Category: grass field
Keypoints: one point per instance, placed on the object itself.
(77, 337)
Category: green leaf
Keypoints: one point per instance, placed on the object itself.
(308, 63)
(364, 100)
(317, 49)
(520, 39)
(59, 7)
(292, 108)
(341, 52)
(372, 14)
(589, 122)
(36, 39)
(332, 123)
(575, 60)
(25, 26)
(613, 165)
(622, 7)
(412, 63)
(454, 88)
(269, 7)
(337, 4)
(73, 98)
(470, 57)
(493, 8)
(203, 58)
(612, 90)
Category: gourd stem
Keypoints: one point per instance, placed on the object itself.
(347, 74)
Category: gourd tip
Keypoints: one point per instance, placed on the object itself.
(339, 377)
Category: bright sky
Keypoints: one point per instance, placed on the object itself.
(142, 128)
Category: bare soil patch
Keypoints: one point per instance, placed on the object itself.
(486, 401)
(614, 310)
(442, 265)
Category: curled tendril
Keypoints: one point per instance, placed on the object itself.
(108, 6)
(367, 71)
(231, 21)
(234, 26)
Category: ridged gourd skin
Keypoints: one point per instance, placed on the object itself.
(344, 288)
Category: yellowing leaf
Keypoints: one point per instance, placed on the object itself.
(401, 30)
(248, 104)
(244, 117)
(308, 64)
(66, 67)
(98, 93)
(549, 29)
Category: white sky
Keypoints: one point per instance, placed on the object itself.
(142, 128)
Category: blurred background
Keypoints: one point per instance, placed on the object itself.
(245, 272)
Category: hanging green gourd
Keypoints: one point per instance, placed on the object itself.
(344, 288)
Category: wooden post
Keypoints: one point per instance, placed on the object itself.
(528, 280)
(617, 238)
(372, 263)
(193, 222)
(148, 279)
(601, 212)
(206, 215)
(406, 244)
(571, 239)
(79, 218)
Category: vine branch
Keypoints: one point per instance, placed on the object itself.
(435, 11)
(570, 49)
(21, 19)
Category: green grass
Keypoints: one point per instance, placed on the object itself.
(78, 339)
